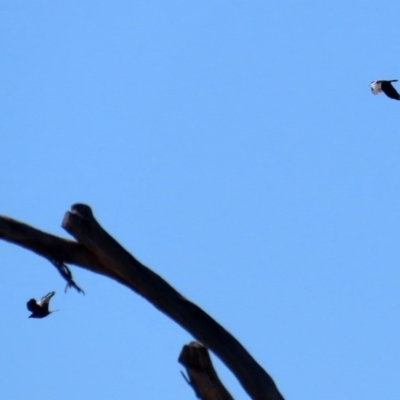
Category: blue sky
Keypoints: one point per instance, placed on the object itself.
(233, 147)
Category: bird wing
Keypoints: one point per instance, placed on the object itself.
(32, 306)
(390, 91)
(44, 301)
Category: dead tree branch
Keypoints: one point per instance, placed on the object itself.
(97, 251)
(202, 376)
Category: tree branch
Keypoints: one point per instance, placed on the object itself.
(97, 251)
(202, 376)
(51, 247)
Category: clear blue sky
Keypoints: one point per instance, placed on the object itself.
(233, 147)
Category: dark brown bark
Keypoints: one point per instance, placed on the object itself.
(202, 376)
(51, 246)
(97, 251)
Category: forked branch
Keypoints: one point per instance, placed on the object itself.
(202, 376)
(98, 252)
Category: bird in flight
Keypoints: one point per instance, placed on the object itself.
(40, 309)
(385, 87)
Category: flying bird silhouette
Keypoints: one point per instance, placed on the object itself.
(40, 309)
(385, 87)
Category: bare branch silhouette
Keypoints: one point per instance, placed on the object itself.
(202, 376)
(98, 252)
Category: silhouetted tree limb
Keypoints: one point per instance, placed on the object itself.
(97, 251)
(51, 246)
(202, 376)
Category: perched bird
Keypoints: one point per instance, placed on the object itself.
(385, 87)
(40, 309)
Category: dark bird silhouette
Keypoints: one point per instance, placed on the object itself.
(385, 87)
(66, 274)
(40, 309)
